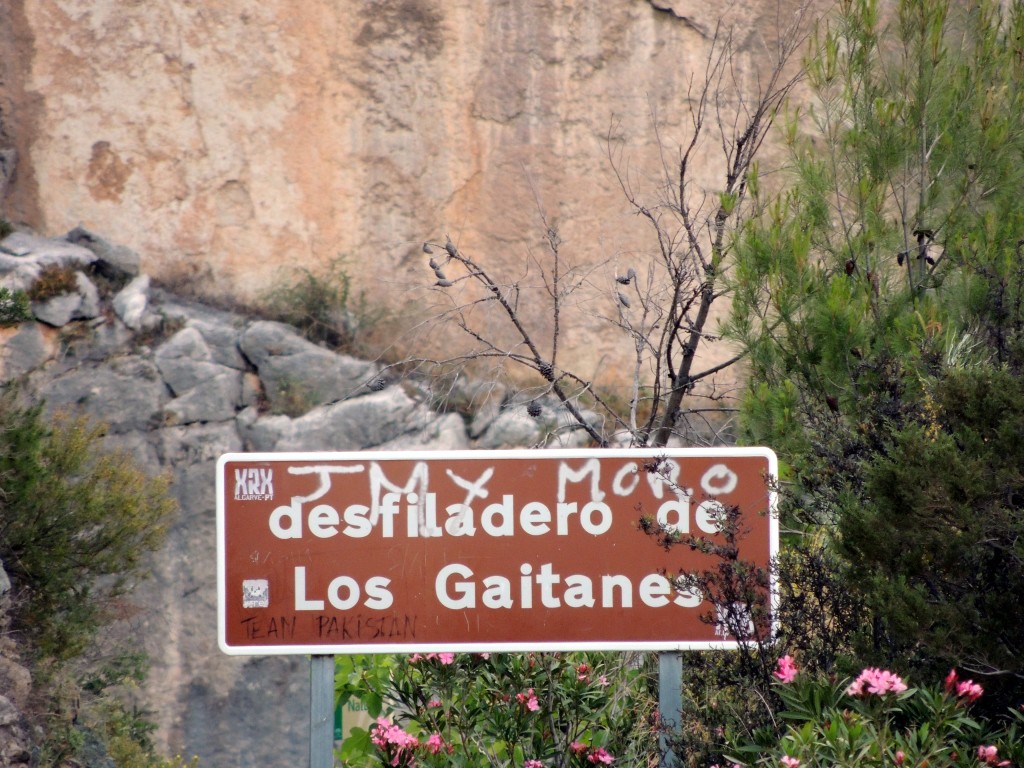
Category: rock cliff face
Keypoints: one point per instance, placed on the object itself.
(178, 384)
(225, 141)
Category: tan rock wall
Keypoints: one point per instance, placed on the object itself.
(226, 140)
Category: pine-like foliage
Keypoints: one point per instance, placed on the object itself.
(934, 534)
(880, 302)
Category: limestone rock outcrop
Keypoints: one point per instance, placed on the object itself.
(178, 384)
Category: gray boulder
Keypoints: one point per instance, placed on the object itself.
(204, 389)
(24, 350)
(112, 261)
(543, 421)
(81, 304)
(372, 421)
(131, 301)
(298, 375)
(185, 361)
(46, 251)
(220, 329)
(222, 340)
(127, 393)
(13, 739)
(216, 400)
(441, 433)
(512, 427)
(23, 256)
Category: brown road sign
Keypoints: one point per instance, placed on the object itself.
(323, 553)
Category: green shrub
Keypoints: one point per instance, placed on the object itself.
(86, 719)
(512, 710)
(878, 721)
(14, 307)
(933, 531)
(322, 305)
(75, 525)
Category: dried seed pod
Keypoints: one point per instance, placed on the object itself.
(427, 248)
(534, 409)
(450, 247)
(623, 300)
(444, 283)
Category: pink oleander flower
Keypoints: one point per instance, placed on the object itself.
(434, 703)
(963, 689)
(786, 669)
(990, 756)
(600, 755)
(389, 737)
(577, 747)
(386, 732)
(583, 672)
(434, 743)
(446, 658)
(876, 681)
(899, 757)
(529, 699)
(950, 682)
(484, 656)
(790, 762)
(969, 690)
(602, 681)
(533, 764)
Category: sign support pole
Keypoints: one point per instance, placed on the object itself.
(670, 702)
(321, 706)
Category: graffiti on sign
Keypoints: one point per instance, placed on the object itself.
(502, 550)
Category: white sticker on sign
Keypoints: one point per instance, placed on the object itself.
(255, 593)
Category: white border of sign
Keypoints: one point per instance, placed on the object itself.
(553, 453)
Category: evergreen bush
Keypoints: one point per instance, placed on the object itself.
(76, 525)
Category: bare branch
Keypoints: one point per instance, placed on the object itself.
(665, 317)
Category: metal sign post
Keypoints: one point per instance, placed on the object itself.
(321, 706)
(670, 703)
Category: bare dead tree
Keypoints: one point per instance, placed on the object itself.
(665, 310)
